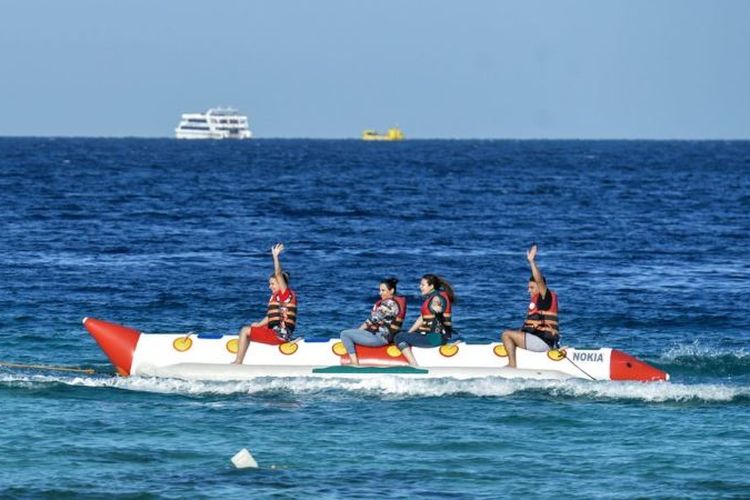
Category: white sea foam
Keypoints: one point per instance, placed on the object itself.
(697, 349)
(401, 388)
(653, 393)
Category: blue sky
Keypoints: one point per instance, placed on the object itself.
(439, 69)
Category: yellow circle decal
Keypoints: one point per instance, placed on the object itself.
(500, 350)
(233, 346)
(393, 351)
(448, 350)
(288, 348)
(182, 344)
(339, 349)
(556, 354)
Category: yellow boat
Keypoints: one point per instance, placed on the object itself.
(393, 134)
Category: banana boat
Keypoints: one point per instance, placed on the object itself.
(209, 357)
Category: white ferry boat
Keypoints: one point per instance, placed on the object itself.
(216, 123)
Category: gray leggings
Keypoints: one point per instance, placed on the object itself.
(361, 337)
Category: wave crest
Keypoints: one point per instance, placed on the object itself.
(697, 358)
(400, 388)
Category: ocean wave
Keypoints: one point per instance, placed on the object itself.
(697, 358)
(395, 388)
(699, 349)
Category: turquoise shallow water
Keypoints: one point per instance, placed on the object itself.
(168, 438)
(642, 240)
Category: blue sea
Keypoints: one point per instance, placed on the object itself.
(646, 243)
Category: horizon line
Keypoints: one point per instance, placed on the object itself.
(408, 139)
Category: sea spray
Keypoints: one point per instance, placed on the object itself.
(395, 388)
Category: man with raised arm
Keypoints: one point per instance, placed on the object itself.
(540, 331)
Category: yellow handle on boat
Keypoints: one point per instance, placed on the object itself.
(182, 344)
(500, 351)
(557, 354)
(449, 350)
(339, 349)
(288, 348)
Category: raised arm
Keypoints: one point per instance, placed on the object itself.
(538, 278)
(277, 271)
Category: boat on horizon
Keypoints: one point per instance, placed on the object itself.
(209, 357)
(216, 123)
(392, 134)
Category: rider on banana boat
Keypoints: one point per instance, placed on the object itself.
(434, 325)
(540, 331)
(278, 325)
(384, 323)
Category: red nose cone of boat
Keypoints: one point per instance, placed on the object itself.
(118, 342)
(625, 367)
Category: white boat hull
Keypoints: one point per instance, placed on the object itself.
(198, 358)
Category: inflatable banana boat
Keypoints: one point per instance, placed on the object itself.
(209, 357)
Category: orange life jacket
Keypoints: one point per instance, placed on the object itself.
(543, 319)
(441, 323)
(282, 312)
(395, 325)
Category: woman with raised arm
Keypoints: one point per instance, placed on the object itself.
(281, 317)
(385, 321)
(434, 325)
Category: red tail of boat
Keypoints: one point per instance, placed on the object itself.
(623, 366)
(118, 342)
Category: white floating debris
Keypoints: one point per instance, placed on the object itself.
(243, 460)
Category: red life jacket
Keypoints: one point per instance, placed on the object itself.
(395, 325)
(282, 312)
(431, 323)
(542, 319)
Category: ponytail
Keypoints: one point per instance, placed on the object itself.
(448, 288)
(440, 283)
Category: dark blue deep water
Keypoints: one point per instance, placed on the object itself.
(646, 243)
